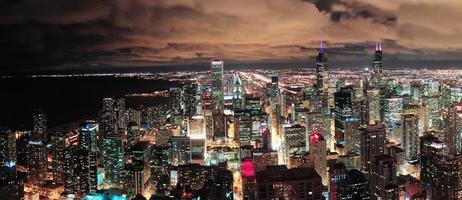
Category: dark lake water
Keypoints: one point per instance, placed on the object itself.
(69, 99)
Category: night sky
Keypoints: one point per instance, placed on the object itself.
(93, 34)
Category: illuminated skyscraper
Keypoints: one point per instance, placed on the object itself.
(321, 72)
(353, 187)
(346, 124)
(88, 141)
(10, 186)
(37, 161)
(410, 139)
(39, 122)
(180, 147)
(217, 86)
(113, 159)
(318, 155)
(373, 106)
(372, 145)
(392, 117)
(238, 91)
(377, 68)
(453, 128)
(8, 153)
(383, 179)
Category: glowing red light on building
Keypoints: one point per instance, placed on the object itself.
(247, 170)
(316, 137)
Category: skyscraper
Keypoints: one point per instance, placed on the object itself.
(372, 145)
(39, 121)
(180, 147)
(383, 179)
(410, 139)
(88, 142)
(453, 128)
(321, 72)
(346, 124)
(37, 161)
(377, 68)
(373, 106)
(353, 187)
(318, 155)
(217, 86)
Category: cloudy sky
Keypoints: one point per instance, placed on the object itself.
(88, 34)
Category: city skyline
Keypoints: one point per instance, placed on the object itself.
(89, 35)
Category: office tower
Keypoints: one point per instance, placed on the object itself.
(134, 133)
(377, 69)
(372, 145)
(189, 100)
(89, 142)
(238, 91)
(318, 155)
(10, 185)
(383, 179)
(392, 117)
(410, 143)
(346, 124)
(133, 115)
(263, 158)
(373, 106)
(243, 126)
(440, 172)
(421, 111)
(337, 173)
(37, 161)
(217, 86)
(180, 150)
(353, 187)
(175, 96)
(210, 182)
(113, 159)
(321, 72)
(160, 168)
(432, 99)
(39, 122)
(295, 139)
(278, 182)
(453, 128)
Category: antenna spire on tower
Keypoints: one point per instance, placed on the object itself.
(380, 46)
(321, 49)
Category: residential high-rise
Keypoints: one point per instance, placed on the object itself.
(113, 159)
(318, 155)
(89, 142)
(410, 140)
(8, 153)
(372, 145)
(278, 182)
(39, 122)
(10, 185)
(37, 161)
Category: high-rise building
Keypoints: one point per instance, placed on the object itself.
(295, 139)
(453, 128)
(440, 171)
(238, 91)
(346, 123)
(410, 143)
(39, 121)
(113, 159)
(278, 182)
(337, 173)
(353, 187)
(321, 72)
(383, 179)
(180, 147)
(10, 185)
(37, 161)
(160, 168)
(77, 171)
(377, 69)
(217, 86)
(392, 117)
(432, 100)
(89, 142)
(372, 145)
(318, 155)
(373, 106)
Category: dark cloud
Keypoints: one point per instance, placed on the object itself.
(351, 9)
